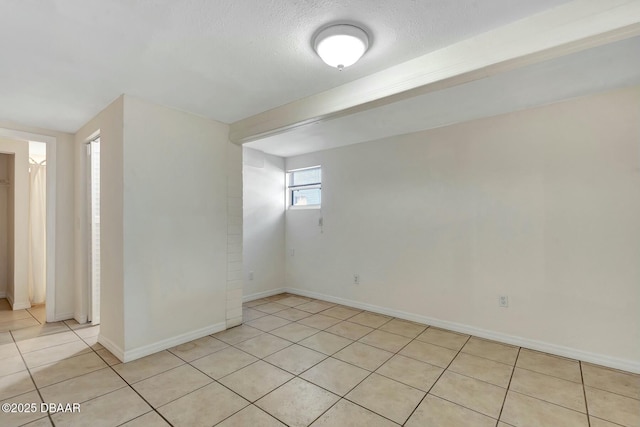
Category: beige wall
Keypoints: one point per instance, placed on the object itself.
(5, 228)
(541, 205)
(263, 211)
(18, 197)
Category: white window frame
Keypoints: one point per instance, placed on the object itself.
(290, 189)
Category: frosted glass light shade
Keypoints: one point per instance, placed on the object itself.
(341, 46)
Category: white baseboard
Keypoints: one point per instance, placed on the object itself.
(111, 346)
(572, 353)
(61, 316)
(18, 305)
(258, 295)
(136, 353)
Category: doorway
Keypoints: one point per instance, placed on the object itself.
(93, 221)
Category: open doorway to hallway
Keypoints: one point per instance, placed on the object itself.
(93, 210)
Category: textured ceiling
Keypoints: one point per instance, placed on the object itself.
(63, 61)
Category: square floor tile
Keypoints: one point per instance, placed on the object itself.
(341, 312)
(42, 422)
(109, 410)
(170, 385)
(196, 349)
(369, 319)
(315, 306)
(409, 371)
(404, 328)
(249, 314)
(223, 362)
(145, 367)
(353, 331)
(295, 359)
(270, 308)
(293, 301)
(294, 332)
(597, 422)
(293, 314)
(268, 323)
(319, 321)
(613, 407)
(68, 368)
(548, 364)
(386, 397)
(429, 353)
(55, 353)
(385, 340)
(11, 365)
(297, 403)
(551, 389)
(8, 350)
(336, 376)
(83, 388)
(345, 413)
(471, 393)
(256, 380)
(263, 345)
(434, 411)
(521, 410)
(364, 356)
(491, 350)
(238, 334)
(325, 343)
(611, 380)
(14, 384)
(448, 339)
(45, 341)
(483, 369)
(251, 416)
(150, 419)
(204, 407)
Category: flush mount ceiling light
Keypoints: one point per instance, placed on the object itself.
(341, 45)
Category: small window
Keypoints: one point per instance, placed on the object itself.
(305, 187)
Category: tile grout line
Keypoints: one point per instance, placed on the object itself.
(437, 379)
(31, 375)
(584, 393)
(506, 393)
(125, 381)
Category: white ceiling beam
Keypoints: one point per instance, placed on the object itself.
(569, 28)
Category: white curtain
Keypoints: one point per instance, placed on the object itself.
(37, 232)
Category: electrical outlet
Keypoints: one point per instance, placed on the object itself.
(356, 279)
(251, 275)
(292, 252)
(503, 301)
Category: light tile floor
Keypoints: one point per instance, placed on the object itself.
(299, 362)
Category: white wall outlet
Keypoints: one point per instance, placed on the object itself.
(292, 252)
(251, 275)
(503, 301)
(356, 279)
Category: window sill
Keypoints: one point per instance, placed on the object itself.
(303, 208)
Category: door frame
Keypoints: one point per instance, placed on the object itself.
(51, 141)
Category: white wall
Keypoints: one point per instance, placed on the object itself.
(16, 290)
(541, 205)
(175, 223)
(264, 214)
